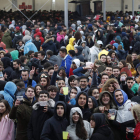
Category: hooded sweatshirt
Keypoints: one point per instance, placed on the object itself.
(53, 127)
(70, 46)
(14, 54)
(59, 37)
(9, 91)
(101, 130)
(72, 127)
(27, 36)
(79, 54)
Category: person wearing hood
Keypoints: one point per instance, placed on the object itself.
(29, 46)
(124, 117)
(7, 68)
(18, 36)
(75, 64)
(60, 35)
(82, 103)
(85, 51)
(49, 45)
(101, 129)
(70, 46)
(14, 54)
(119, 38)
(78, 129)
(22, 112)
(121, 53)
(93, 53)
(39, 115)
(78, 52)
(54, 126)
(37, 32)
(99, 36)
(6, 39)
(27, 36)
(12, 25)
(136, 45)
(67, 60)
(9, 91)
(37, 42)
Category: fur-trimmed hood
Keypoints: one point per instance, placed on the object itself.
(47, 40)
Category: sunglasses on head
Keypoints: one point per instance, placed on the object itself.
(43, 76)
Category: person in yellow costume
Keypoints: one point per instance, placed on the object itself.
(70, 46)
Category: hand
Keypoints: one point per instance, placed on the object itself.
(109, 116)
(116, 85)
(100, 86)
(102, 109)
(68, 137)
(56, 68)
(61, 90)
(17, 103)
(83, 54)
(32, 72)
(95, 67)
(87, 67)
(130, 107)
(45, 109)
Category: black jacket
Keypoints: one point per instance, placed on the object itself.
(79, 54)
(37, 44)
(53, 127)
(36, 123)
(17, 37)
(101, 130)
(15, 75)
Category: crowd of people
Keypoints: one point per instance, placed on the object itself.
(64, 83)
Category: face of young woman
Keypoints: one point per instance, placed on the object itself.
(92, 123)
(95, 93)
(43, 82)
(38, 89)
(75, 117)
(120, 65)
(90, 103)
(111, 88)
(72, 83)
(60, 73)
(2, 108)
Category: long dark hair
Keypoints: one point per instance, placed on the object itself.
(80, 129)
(8, 108)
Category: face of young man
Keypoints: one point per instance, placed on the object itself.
(83, 83)
(130, 83)
(52, 94)
(105, 99)
(40, 57)
(60, 110)
(30, 93)
(103, 59)
(15, 65)
(116, 72)
(119, 97)
(24, 75)
(108, 71)
(104, 79)
(61, 83)
(43, 97)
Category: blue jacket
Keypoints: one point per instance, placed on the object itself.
(78, 71)
(66, 63)
(8, 93)
(29, 46)
(33, 83)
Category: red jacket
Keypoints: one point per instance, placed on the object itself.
(71, 72)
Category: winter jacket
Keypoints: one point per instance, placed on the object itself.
(37, 44)
(49, 45)
(54, 60)
(72, 127)
(101, 37)
(70, 46)
(125, 69)
(37, 32)
(86, 53)
(22, 113)
(16, 74)
(17, 37)
(121, 54)
(53, 127)
(29, 46)
(12, 25)
(101, 130)
(91, 43)
(33, 83)
(66, 63)
(7, 128)
(79, 54)
(27, 36)
(7, 40)
(59, 37)
(93, 55)
(9, 91)
(14, 54)
(37, 121)
(135, 88)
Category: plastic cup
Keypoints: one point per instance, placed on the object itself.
(43, 103)
(65, 135)
(65, 90)
(19, 98)
(112, 112)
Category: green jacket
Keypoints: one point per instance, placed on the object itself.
(14, 54)
(22, 113)
(135, 88)
(7, 40)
